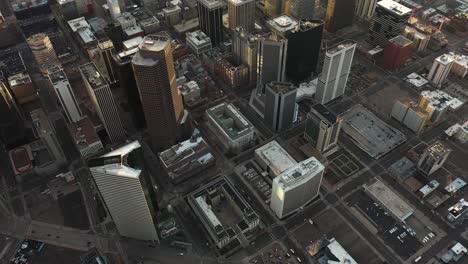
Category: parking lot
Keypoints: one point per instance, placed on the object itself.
(261, 185)
(402, 239)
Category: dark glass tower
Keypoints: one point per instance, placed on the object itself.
(210, 15)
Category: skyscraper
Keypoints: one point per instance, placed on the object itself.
(335, 72)
(45, 131)
(65, 94)
(296, 187)
(114, 8)
(273, 8)
(301, 9)
(340, 14)
(106, 49)
(322, 128)
(397, 51)
(242, 14)
(43, 51)
(433, 158)
(304, 43)
(365, 9)
(440, 69)
(245, 50)
(387, 22)
(210, 15)
(280, 105)
(154, 71)
(272, 50)
(101, 96)
(271, 63)
(126, 189)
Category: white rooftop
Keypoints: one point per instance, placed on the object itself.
(283, 23)
(444, 59)
(132, 43)
(459, 249)
(78, 23)
(340, 253)
(276, 157)
(454, 186)
(395, 7)
(299, 173)
(416, 79)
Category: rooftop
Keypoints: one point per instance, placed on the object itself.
(283, 23)
(83, 133)
(132, 43)
(394, 7)
(370, 133)
(123, 161)
(212, 3)
(401, 41)
(56, 74)
(458, 209)
(281, 87)
(40, 121)
(21, 159)
(19, 79)
(240, 2)
(325, 113)
(397, 206)
(341, 47)
(276, 157)
(299, 173)
(438, 150)
(230, 120)
(92, 75)
(78, 23)
(454, 186)
(441, 99)
(198, 37)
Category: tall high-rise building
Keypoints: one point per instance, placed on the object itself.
(296, 187)
(106, 49)
(114, 8)
(8, 102)
(123, 66)
(301, 9)
(65, 94)
(245, 50)
(397, 51)
(43, 51)
(280, 105)
(45, 131)
(388, 21)
(103, 101)
(126, 189)
(322, 128)
(210, 16)
(433, 158)
(162, 104)
(273, 8)
(304, 43)
(242, 14)
(365, 9)
(420, 40)
(336, 68)
(440, 69)
(340, 14)
(271, 63)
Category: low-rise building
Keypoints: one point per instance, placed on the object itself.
(190, 92)
(458, 210)
(83, 33)
(22, 88)
(187, 158)
(232, 129)
(224, 219)
(198, 42)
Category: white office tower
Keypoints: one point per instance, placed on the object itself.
(433, 158)
(365, 9)
(65, 94)
(440, 69)
(114, 8)
(123, 184)
(336, 67)
(45, 131)
(296, 187)
(103, 101)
